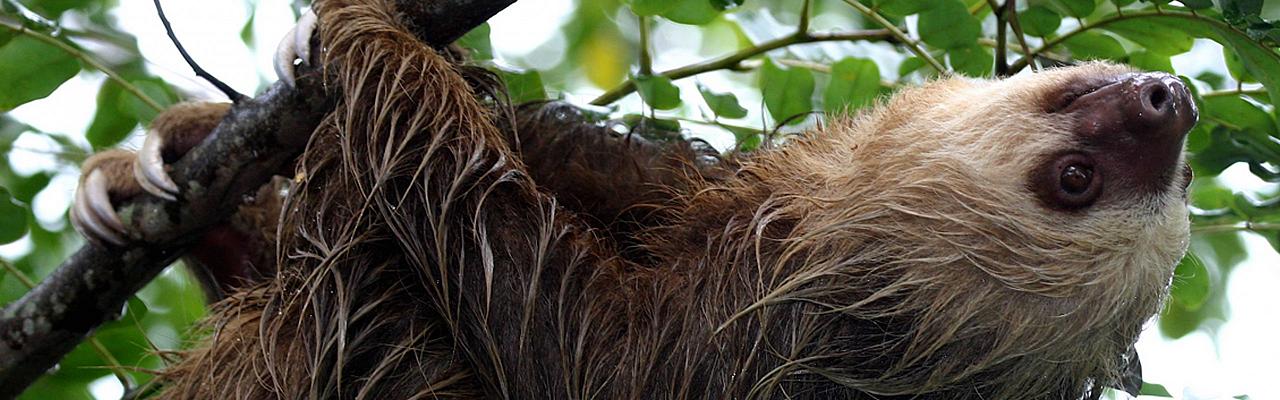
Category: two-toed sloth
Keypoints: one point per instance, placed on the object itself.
(966, 238)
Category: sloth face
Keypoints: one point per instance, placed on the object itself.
(1128, 136)
(1048, 181)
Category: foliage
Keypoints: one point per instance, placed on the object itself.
(770, 75)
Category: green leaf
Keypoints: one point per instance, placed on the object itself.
(13, 218)
(55, 8)
(1237, 11)
(523, 87)
(156, 90)
(1039, 21)
(658, 91)
(1152, 389)
(972, 60)
(1237, 113)
(722, 104)
(31, 69)
(1122, 3)
(1150, 61)
(902, 8)
(134, 310)
(1191, 283)
(949, 25)
(909, 65)
(693, 12)
(1215, 80)
(478, 42)
(1158, 36)
(246, 31)
(747, 139)
(1214, 150)
(1260, 61)
(652, 7)
(25, 188)
(10, 129)
(110, 125)
(1197, 4)
(788, 92)
(1235, 67)
(1073, 8)
(1090, 45)
(855, 83)
(6, 35)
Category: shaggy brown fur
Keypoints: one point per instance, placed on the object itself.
(890, 254)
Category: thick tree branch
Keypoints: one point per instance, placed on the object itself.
(258, 136)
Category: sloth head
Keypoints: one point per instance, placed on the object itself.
(1027, 227)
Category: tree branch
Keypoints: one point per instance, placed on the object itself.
(257, 136)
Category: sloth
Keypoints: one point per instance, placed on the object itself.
(965, 238)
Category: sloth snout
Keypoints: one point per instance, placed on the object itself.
(1134, 124)
(1161, 111)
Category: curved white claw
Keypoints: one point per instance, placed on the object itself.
(285, 54)
(302, 36)
(93, 213)
(149, 169)
(296, 44)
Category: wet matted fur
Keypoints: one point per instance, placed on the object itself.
(898, 252)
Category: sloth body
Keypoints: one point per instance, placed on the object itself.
(964, 239)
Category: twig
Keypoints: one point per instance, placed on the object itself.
(897, 33)
(818, 67)
(1236, 227)
(1002, 28)
(235, 96)
(805, 10)
(1235, 92)
(1012, 8)
(732, 60)
(646, 58)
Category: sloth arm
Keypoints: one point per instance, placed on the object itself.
(499, 257)
(231, 254)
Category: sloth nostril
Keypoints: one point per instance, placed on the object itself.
(1159, 97)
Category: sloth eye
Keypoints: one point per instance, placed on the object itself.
(1068, 182)
(1076, 178)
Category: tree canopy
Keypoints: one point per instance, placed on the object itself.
(743, 73)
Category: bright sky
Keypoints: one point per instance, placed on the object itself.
(1243, 360)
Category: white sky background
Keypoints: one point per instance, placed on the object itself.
(1244, 359)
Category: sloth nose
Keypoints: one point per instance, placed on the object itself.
(1160, 110)
(1134, 125)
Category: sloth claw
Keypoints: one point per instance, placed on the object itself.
(93, 214)
(295, 45)
(149, 169)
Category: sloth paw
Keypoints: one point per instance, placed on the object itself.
(172, 135)
(296, 45)
(114, 176)
(106, 179)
